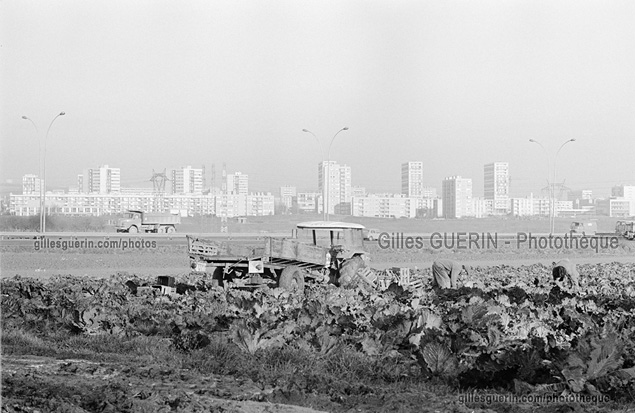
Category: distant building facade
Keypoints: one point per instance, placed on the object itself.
(287, 195)
(102, 180)
(622, 202)
(412, 179)
(395, 206)
(78, 204)
(539, 206)
(31, 184)
(237, 183)
(309, 201)
(358, 191)
(496, 186)
(187, 180)
(457, 197)
(335, 179)
(429, 192)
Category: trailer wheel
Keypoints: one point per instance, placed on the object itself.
(292, 279)
(133, 229)
(349, 270)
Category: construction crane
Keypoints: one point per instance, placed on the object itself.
(158, 182)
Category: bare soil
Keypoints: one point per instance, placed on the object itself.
(72, 385)
(44, 384)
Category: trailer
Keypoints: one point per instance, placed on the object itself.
(155, 222)
(585, 227)
(320, 252)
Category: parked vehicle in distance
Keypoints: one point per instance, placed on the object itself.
(157, 222)
(371, 234)
(626, 229)
(322, 251)
(584, 227)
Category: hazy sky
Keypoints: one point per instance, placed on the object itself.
(161, 84)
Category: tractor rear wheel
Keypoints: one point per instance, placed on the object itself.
(292, 279)
(217, 276)
(349, 270)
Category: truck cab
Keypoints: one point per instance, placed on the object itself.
(130, 222)
(625, 229)
(134, 221)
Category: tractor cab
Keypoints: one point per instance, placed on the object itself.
(344, 239)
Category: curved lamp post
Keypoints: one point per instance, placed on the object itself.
(326, 176)
(551, 185)
(555, 160)
(323, 184)
(328, 170)
(42, 169)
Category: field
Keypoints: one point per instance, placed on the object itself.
(76, 338)
(94, 344)
(284, 223)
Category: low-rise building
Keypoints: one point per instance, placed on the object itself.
(104, 204)
(395, 206)
(616, 207)
(309, 202)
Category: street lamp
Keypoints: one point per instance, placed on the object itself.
(42, 169)
(555, 159)
(326, 178)
(324, 183)
(551, 185)
(328, 169)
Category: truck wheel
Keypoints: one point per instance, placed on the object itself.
(133, 229)
(349, 270)
(292, 279)
(170, 229)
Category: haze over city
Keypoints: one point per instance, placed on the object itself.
(153, 85)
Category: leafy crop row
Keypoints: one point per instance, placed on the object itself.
(506, 327)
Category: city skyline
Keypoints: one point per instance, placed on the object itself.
(598, 187)
(496, 183)
(455, 84)
(101, 196)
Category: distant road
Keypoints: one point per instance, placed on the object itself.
(389, 239)
(27, 259)
(33, 235)
(25, 239)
